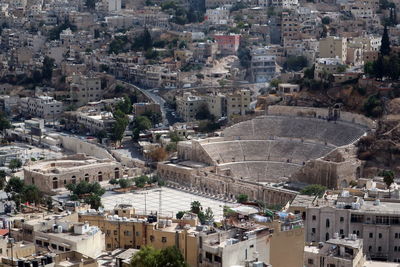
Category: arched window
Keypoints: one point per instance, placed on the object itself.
(73, 179)
(55, 182)
(327, 223)
(326, 236)
(87, 177)
(116, 173)
(100, 176)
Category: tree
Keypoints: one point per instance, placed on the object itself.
(195, 207)
(3, 180)
(49, 203)
(142, 123)
(242, 198)
(158, 154)
(313, 190)
(244, 53)
(125, 105)
(296, 63)
(326, 20)
(388, 178)
(31, 194)
(147, 40)
(141, 181)
(15, 164)
(4, 122)
(47, 68)
(385, 43)
(171, 256)
(94, 201)
(179, 214)
(121, 122)
(146, 257)
(204, 113)
(14, 185)
(124, 183)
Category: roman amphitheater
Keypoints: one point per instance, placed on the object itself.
(288, 144)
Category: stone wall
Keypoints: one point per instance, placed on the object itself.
(320, 112)
(77, 145)
(207, 181)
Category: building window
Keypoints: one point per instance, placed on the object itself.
(313, 230)
(370, 248)
(108, 245)
(115, 232)
(152, 238)
(164, 239)
(371, 235)
(379, 249)
(395, 248)
(396, 235)
(314, 217)
(380, 235)
(341, 219)
(327, 223)
(310, 261)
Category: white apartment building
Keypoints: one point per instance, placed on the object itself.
(45, 107)
(376, 222)
(218, 16)
(84, 89)
(114, 5)
(95, 122)
(284, 4)
(263, 65)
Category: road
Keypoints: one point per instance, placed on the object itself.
(155, 98)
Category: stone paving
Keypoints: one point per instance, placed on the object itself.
(173, 200)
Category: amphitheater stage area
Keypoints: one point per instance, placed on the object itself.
(272, 148)
(270, 151)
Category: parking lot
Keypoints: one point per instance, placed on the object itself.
(172, 201)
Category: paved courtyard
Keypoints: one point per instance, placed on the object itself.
(172, 201)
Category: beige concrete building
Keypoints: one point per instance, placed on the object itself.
(59, 233)
(141, 108)
(188, 105)
(84, 89)
(237, 103)
(326, 66)
(377, 223)
(343, 252)
(51, 175)
(333, 47)
(124, 229)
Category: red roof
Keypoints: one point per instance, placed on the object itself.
(3, 232)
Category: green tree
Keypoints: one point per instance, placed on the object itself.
(125, 105)
(31, 194)
(49, 203)
(296, 63)
(14, 185)
(94, 201)
(146, 257)
(15, 164)
(47, 68)
(326, 20)
(124, 183)
(242, 198)
(385, 43)
(119, 127)
(141, 181)
(3, 180)
(204, 113)
(195, 207)
(171, 256)
(147, 40)
(388, 178)
(142, 123)
(4, 122)
(313, 190)
(179, 214)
